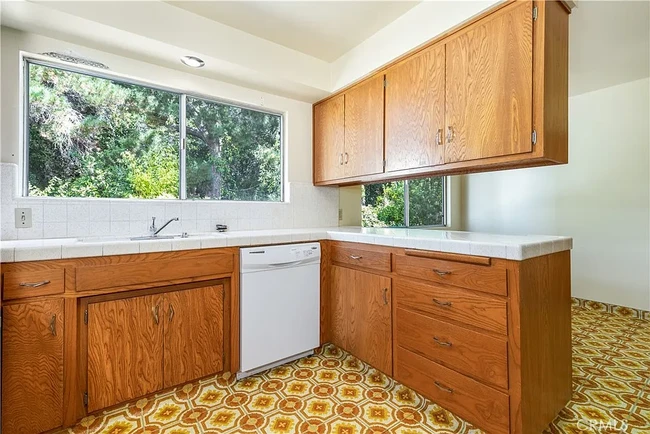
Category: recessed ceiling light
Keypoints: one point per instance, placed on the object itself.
(192, 61)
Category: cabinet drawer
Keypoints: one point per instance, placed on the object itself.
(477, 277)
(23, 284)
(489, 313)
(153, 273)
(363, 258)
(479, 404)
(476, 354)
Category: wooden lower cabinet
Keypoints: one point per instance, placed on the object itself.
(360, 315)
(125, 350)
(139, 345)
(194, 334)
(32, 366)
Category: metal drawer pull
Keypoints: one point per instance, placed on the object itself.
(386, 296)
(355, 257)
(34, 284)
(347, 157)
(442, 303)
(439, 137)
(154, 312)
(171, 312)
(450, 134)
(441, 273)
(341, 159)
(441, 343)
(441, 387)
(53, 325)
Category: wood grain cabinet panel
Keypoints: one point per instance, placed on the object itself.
(476, 354)
(32, 366)
(329, 139)
(33, 283)
(125, 350)
(360, 306)
(194, 341)
(488, 313)
(490, 87)
(364, 128)
(479, 404)
(362, 258)
(415, 111)
(477, 277)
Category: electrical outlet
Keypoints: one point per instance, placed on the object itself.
(23, 217)
(340, 214)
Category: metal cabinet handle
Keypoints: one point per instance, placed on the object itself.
(441, 273)
(341, 159)
(441, 342)
(347, 158)
(154, 311)
(450, 134)
(441, 387)
(35, 284)
(386, 296)
(439, 137)
(355, 257)
(53, 325)
(442, 303)
(171, 312)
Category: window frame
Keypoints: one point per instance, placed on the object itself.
(28, 59)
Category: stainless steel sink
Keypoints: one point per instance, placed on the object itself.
(158, 237)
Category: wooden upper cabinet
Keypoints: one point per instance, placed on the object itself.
(194, 338)
(364, 128)
(415, 111)
(32, 367)
(490, 87)
(360, 312)
(329, 139)
(125, 350)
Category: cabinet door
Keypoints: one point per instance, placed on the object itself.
(32, 367)
(361, 316)
(193, 334)
(125, 350)
(415, 111)
(489, 86)
(329, 139)
(364, 128)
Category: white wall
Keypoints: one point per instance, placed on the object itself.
(601, 198)
(309, 206)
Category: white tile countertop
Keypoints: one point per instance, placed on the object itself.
(515, 247)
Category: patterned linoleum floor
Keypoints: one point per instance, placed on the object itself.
(332, 392)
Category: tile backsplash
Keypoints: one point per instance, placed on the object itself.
(308, 207)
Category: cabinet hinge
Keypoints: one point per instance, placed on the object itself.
(535, 13)
(86, 316)
(385, 82)
(384, 164)
(86, 399)
(534, 137)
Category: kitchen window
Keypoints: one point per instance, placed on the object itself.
(411, 203)
(91, 135)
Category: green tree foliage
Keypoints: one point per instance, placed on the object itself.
(383, 204)
(93, 137)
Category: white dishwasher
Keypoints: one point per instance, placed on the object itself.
(280, 305)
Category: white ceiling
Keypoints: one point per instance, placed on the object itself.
(322, 29)
(609, 44)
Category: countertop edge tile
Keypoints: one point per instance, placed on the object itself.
(517, 248)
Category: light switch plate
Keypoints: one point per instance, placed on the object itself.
(23, 217)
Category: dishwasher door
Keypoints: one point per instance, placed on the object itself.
(280, 306)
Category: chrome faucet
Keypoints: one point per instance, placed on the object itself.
(154, 231)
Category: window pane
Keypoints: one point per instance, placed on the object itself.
(426, 202)
(233, 153)
(94, 137)
(382, 205)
